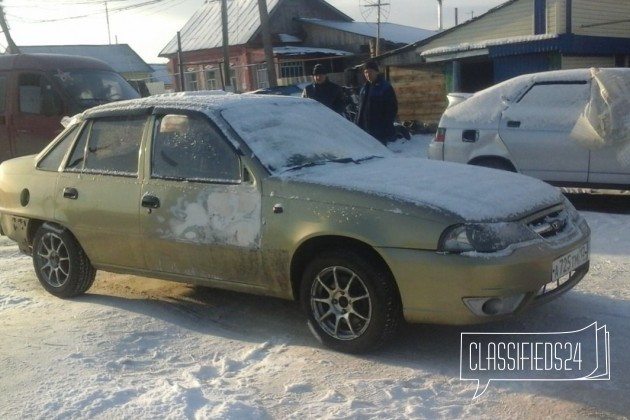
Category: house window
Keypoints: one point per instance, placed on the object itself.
(292, 69)
(233, 78)
(190, 81)
(262, 78)
(211, 79)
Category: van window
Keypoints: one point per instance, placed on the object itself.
(37, 96)
(3, 93)
(88, 88)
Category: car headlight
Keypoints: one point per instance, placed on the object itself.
(483, 237)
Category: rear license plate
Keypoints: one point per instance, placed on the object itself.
(569, 262)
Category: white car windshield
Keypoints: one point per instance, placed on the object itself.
(290, 134)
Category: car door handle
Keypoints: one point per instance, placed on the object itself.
(151, 202)
(514, 124)
(71, 193)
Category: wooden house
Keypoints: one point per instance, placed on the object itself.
(303, 32)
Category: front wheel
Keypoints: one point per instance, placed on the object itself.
(352, 304)
(60, 263)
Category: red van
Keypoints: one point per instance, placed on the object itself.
(38, 90)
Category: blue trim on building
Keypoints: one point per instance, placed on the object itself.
(569, 16)
(540, 17)
(566, 44)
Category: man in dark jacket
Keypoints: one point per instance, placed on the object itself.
(325, 91)
(378, 105)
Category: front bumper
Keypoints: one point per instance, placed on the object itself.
(452, 289)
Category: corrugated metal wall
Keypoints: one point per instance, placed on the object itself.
(587, 62)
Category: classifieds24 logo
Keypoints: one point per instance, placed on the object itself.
(552, 356)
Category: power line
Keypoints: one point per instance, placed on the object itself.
(148, 4)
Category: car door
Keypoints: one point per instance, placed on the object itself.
(536, 131)
(201, 219)
(610, 165)
(98, 192)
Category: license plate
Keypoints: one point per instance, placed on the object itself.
(569, 262)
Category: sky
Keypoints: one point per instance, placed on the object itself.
(148, 25)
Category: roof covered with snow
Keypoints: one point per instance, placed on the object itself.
(399, 34)
(203, 29)
(469, 46)
(289, 50)
(121, 57)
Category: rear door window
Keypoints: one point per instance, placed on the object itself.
(109, 146)
(551, 106)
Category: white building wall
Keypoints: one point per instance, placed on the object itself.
(516, 19)
(601, 18)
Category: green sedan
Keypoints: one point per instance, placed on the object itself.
(280, 196)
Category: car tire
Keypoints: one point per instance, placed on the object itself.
(352, 303)
(60, 263)
(495, 164)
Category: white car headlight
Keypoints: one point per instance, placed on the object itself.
(484, 237)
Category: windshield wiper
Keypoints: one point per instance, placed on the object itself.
(367, 158)
(325, 161)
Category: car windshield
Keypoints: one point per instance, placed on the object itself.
(88, 88)
(292, 134)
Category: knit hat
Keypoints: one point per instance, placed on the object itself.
(370, 65)
(319, 69)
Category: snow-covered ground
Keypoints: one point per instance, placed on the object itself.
(140, 348)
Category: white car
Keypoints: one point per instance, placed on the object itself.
(566, 127)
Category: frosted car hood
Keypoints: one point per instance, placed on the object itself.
(470, 192)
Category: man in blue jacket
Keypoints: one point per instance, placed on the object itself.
(378, 105)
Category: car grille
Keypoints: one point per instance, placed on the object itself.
(550, 224)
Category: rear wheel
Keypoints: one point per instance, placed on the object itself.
(495, 163)
(352, 304)
(60, 263)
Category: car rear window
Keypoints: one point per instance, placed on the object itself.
(53, 159)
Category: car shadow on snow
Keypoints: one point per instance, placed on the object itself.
(430, 349)
(602, 203)
(232, 315)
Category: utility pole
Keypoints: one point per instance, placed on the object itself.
(379, 5)
(11, 47)
(267, 45)
(227, 82)
(109, 35)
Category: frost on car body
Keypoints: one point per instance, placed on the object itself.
(246, 193)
